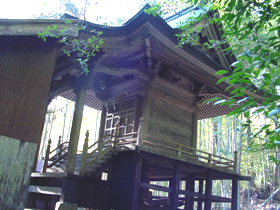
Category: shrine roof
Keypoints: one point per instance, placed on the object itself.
(142, 39)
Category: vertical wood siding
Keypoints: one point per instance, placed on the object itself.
(26, 68)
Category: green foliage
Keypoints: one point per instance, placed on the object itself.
(83, 48)
(252, 28)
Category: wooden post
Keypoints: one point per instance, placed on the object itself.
(137, 178)
(176, 186)
(102, 121)
(209, 159)
(143, 193)
(208, 191)
(194, 124)
(235, 161)
(140, 132)
(84, 155)
(234, 193)
(47, 156)
(117, 131)
(179, 150)
(75, 131)
(59, 148)
(189, 199)
(200, 190)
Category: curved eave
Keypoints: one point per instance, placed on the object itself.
(141, 25)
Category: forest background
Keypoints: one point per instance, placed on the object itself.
(252, 30)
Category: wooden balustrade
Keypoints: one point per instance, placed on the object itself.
(166, 146)
(182, 151)
(57, 154)
(102, 149)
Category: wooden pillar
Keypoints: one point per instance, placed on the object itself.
(194, 124)
(84, 155)
(143, 193)
(234, 193)
(189, 199)
(208, 191)
(125, 181)
(176, 186)
(137, 178)
(200, 190)
(102, 121)
(75, 130)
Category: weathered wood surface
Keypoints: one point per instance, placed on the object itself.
(34, 26)
(170, 122)
(175, 93)
(26, 68)
(16, 162)
(75, 131)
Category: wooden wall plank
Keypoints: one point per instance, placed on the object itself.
(170, 122)
(26, 68)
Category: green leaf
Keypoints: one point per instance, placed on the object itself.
(222, 79)
(221, 72)
(238, 89)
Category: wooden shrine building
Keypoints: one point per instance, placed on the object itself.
(150, 93)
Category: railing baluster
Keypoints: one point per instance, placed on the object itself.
(84, 155)
(179, 150)
(209, 159)
(235, 161)
(59, 146)
(47, 156)
(116, 135)
(140, 132)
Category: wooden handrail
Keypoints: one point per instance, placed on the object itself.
(100, 151)
(185, 146)
(60, 155)
(181, 149)
(61, 145)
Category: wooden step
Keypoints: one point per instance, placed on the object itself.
(45, 190)
(48, 174)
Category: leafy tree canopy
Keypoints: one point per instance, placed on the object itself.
(252, 29)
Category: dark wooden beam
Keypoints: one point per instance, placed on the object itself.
(137, 178)
(200, 190)
(189, 199)
(144, 178)
(176, 186)
(220, 199)
(155, 187)
(191, 193)
(208, 191)
(102, 121)
(119, 71)
(234, 193)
